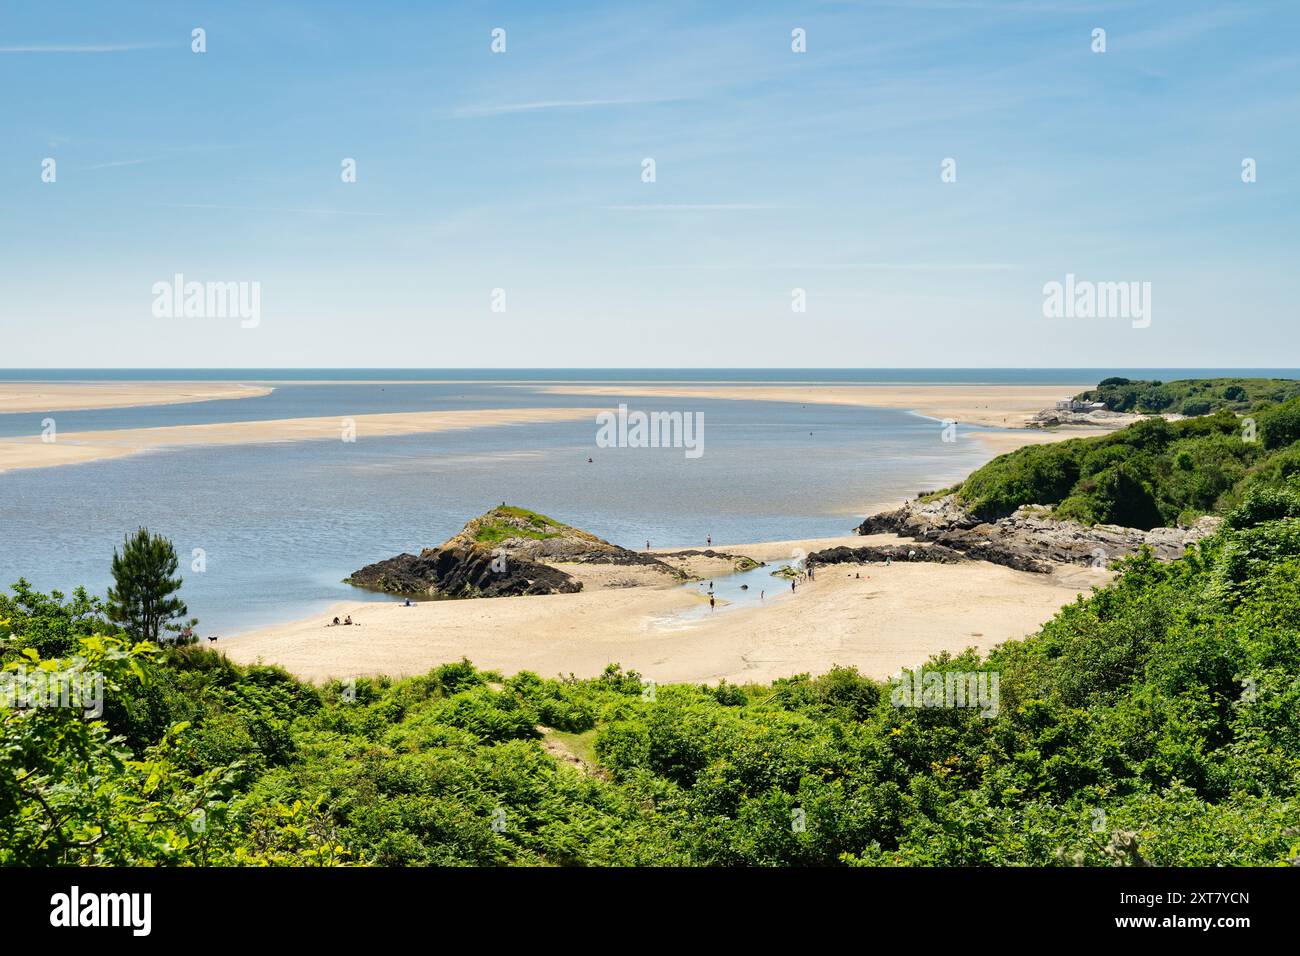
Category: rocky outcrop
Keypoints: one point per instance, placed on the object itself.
(529, 536)
(935, 553)
(739, 562)
(462, 573)
(1030, 539)
(507, 551)
(1097, 418)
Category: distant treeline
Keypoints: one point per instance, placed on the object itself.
(1193, 396)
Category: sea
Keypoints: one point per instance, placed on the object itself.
(267, 532)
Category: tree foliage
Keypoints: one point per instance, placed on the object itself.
(143, 597)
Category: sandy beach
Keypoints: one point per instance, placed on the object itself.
(80, 447)
(983, 406)
(887, 618)
(77, 396)
(991, 406)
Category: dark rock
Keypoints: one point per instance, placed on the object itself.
(926, 552)
(462, 573)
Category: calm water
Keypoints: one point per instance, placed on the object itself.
(282, 524)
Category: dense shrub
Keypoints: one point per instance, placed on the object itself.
(1150, 474)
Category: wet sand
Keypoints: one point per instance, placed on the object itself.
(78, 396)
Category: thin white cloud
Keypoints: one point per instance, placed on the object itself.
(81, 47)
(123, 162)
(539, 105)
(694, 207)
(326, 212)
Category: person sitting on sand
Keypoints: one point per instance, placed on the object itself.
(408, 603)
(348, 619)
(334, 623)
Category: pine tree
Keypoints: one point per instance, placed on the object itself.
(143, 596)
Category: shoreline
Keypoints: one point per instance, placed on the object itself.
(872, 617)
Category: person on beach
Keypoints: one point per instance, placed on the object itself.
(347, 620)
(792, 585)
(333, 623)
(710, 602)
(408, 603)
(709, 541)
(761, 595)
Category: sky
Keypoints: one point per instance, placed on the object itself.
(524, 171)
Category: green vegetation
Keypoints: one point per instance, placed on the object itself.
(508, 521)
(1150, 474)
(143, 597)
(1196, 396)
(1156, 721)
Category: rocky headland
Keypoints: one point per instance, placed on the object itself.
(1030, 539)
(509, 551)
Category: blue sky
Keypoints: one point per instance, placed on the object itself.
(774, 171)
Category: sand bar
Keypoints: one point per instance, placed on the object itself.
(889, 617)
(982, 406)
(992, 406)
(80, 447)
(76, 396)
